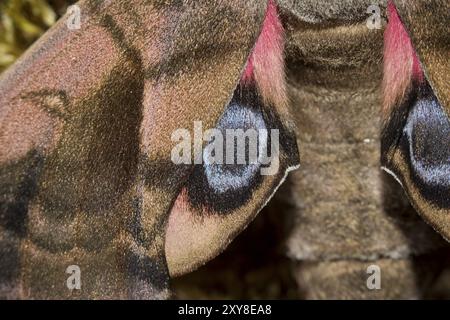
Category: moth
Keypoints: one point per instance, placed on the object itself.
(87, 126)
(354, 90)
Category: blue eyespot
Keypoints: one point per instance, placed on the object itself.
(238, 123)
(428, 132)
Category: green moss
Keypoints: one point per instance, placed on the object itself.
(24, 21)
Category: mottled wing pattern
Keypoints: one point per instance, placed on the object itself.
(86, 118)
(220, 199)
(416, 123)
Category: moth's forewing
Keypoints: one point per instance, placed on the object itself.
(86, 120)
(427, 25)
(221, 198)
(416, 128)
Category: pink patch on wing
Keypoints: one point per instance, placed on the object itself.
(401, 64)
(182, 207)
(265, 65)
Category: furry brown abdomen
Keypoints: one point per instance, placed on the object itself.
(348, 214)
